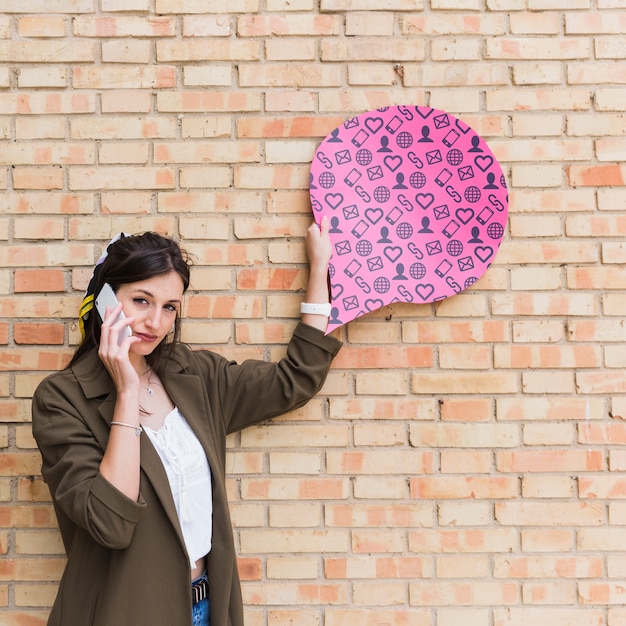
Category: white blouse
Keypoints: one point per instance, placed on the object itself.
(189, 476)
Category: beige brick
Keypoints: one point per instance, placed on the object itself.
(538, 48)
(43, 77)
(207, 26)
(134, 51)
(537, 73)
(370, 5)
(367, 24)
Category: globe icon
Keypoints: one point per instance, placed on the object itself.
(495, 230)
(404, 139)
(472, 194)
(363, 157)
(326, 180)
(417, 180)
(331, 270)
(382, 194)
(454, 247)
(363, 247)
(417, 271)
(502, 181)
(454, 157)
(470, 281)
(404, 230)
(382, 284)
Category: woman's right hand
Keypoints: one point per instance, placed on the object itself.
(116, 357)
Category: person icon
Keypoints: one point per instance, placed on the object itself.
(384, 144)
(334, 316)
(491, 177)
(400, 272)
(384, 235)
(334, 137)
(475, 144)
(425, 226)
(334, 225)
(311, 183)
(425, 138)
(400, 182)
(475, 235)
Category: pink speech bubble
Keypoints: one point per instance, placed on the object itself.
(417, 204)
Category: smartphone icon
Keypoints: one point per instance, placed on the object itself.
(451, 227)
(394, 215)
(360, 229)
(394, 123)
(484, 216)
(353, 267)
(359, 139)
(450, 139)
(106, 299)
(352, 177)
(443, 177)
(443, 268)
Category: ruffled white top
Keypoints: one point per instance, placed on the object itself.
(189, 476)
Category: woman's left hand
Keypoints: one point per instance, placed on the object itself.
(320, 251)
(318, 245)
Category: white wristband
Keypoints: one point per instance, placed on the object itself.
(316, 309)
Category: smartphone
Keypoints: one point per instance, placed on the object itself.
(106, 299)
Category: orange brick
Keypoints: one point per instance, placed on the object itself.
(39, 333)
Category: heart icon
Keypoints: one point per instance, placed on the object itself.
(465, 215)
(374, 124)
(424, 291)
(399, 232)
(374, 215)
(483, 163)
(393, 253)
(393, 162)
(484, 253)
(372, 305)
(333, 200)
(424, 199)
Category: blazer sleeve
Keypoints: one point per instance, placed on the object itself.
(257, 390)
(71, 458)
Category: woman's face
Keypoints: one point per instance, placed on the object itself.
(154, 304)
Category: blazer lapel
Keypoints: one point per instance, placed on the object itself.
(188, 394)
(96, 383)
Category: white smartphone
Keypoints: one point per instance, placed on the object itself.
(106, 299)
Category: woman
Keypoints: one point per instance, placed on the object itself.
(133, 443)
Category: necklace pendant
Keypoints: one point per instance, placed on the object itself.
(150, 391)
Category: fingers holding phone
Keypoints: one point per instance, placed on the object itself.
(107, 304)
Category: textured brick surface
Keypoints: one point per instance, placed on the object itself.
(465, 462)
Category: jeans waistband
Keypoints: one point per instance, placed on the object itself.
(200, 589)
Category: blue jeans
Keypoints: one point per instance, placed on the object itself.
(200, 610)
(200, 613)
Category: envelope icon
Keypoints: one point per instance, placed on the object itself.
(434, 156)
(351, 302)
(441, 212)
(441, 121)
(350, 212)
(375, 172)
(343, 156)
(466, 172)
(351, 123)
(343, 247)
(375, 263)
(466, 263)
(434, 247)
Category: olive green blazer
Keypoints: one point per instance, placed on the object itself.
(127, 564)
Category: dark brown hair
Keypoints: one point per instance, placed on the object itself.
(129, 260)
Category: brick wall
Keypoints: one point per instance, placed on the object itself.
(465, 462)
